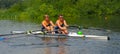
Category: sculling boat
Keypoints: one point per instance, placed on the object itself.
(70, 34)
(46, 34)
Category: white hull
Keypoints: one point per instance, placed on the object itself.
(71, 34)
(76, 36)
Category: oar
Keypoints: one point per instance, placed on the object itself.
(20, 32)
(33, 32)
(92, 28)
(10, 34)
(3, 38)
(39, 31)
(28, 32)
(43, 31)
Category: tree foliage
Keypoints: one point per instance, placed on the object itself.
(75, 11)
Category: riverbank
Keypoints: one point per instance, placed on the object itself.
(95, 13)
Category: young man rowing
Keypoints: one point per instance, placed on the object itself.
(61, 25)
(47, 24)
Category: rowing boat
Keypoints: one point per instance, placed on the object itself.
(70, 34)
(45, 34)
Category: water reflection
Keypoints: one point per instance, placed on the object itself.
(46, 41)
(60, 49)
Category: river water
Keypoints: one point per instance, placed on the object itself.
(26, 44)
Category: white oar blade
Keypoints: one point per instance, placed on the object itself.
(97, 37)
(37, 32)
(17, 32)
(27, 32)
(89, 36)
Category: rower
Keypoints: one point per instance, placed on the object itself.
(47, 24)
(61, 25)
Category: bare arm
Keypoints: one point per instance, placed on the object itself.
(52, 23)
(58, 24)
(43, 23)
(65, 23)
